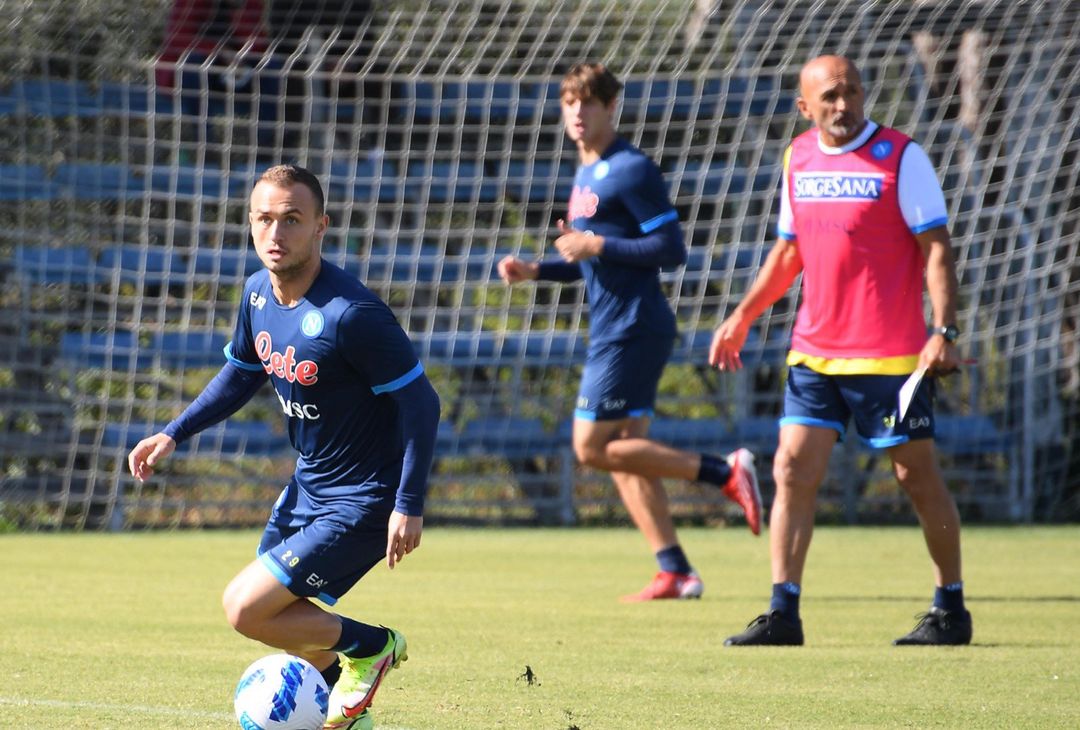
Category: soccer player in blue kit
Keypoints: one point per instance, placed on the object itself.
(622, 229)
(363, 417)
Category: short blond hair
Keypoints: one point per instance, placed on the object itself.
(289, 175)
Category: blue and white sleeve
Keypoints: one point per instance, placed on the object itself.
(922, 202)
(785, 224)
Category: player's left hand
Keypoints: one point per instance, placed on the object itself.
(575, 245)
(939, 357)
(403, 536)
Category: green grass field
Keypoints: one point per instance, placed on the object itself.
(126, 631)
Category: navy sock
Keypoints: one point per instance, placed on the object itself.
(714, 470)
(332, 673)
(673, 560)
(360, 640)
(951, 597)
(785, 599)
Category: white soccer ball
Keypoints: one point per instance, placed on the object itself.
(281, 692)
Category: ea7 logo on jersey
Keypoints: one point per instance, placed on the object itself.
(583, 203)
(828, 187)
(257, 300)
(305, 372)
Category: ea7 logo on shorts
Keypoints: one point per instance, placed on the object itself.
(257, 300)
(828, 187)
(916, 423)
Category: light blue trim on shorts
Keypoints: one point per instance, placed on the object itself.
(636, 413)
(653, 223)
(286, 580)
(399, 383)
(808, 421)
(884, 442)
(327, 599)
(268, 560)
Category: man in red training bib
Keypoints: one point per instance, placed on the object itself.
(862, 218)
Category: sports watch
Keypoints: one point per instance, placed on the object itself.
(949, 332)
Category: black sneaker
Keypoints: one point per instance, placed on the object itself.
(938, 627)
(769, 629)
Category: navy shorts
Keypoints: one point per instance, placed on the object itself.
(323, 556)
(829, 401)
(620, 379)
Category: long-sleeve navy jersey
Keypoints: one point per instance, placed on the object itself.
(360, 411)
(622, 197)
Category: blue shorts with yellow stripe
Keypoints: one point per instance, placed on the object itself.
(831, 401)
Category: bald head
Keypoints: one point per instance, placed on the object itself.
(831, 96)
(821, 69)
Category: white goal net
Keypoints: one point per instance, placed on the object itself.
(132, 133)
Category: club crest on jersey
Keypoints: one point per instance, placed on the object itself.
(881, 149)
(284, 365)
(583, 203)
(312, 324)
(826, 187)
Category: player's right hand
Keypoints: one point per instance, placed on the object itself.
(147, 453)
(727, 341)
(512, 269)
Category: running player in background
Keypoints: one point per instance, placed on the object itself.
(363, 416)
(622, 229)
(863, 218)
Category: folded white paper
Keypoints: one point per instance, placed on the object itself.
(907, 391)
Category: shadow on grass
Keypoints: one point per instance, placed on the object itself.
(968, 598)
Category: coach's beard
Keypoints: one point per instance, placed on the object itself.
(845, 127)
